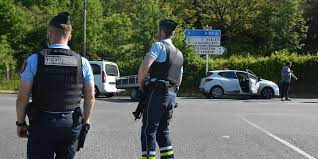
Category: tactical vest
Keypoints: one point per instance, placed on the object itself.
(171, 68)
(58, 83)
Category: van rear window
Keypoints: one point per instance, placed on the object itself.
(111, 70)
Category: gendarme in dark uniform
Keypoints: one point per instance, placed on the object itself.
(164, 64)
(56, 77)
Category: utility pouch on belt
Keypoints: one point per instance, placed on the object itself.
(77, 117)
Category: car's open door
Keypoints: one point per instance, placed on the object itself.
(254, 83)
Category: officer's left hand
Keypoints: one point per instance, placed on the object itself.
(22, 131)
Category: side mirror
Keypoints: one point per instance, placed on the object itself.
(258, 78)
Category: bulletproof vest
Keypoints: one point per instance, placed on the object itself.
(171, 68)
(58, 83)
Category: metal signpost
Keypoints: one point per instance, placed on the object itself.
(84, 27)
(205, 42)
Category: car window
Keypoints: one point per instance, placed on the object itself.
(111, 70)
(230, 75)
(241, 75)
(209, 74)
(96, 69)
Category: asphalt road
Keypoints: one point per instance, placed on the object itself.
(201, 129)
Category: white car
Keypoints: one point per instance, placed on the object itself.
(234, 82)
(105, 74)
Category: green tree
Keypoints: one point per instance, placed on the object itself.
(310, 8)
(7, 62)
(279, 25)
(247, 25)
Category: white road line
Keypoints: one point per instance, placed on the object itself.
(279, 139)
(262, 114)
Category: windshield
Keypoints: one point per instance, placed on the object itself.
(111, 70)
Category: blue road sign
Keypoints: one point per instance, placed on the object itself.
(197, 32)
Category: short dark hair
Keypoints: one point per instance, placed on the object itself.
(168, 26)
(60, 24)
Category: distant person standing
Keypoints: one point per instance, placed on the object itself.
(287, 74)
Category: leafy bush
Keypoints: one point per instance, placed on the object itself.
(305, 67)
(9, 84)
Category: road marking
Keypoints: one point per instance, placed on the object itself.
(261, 114)
(279, 139)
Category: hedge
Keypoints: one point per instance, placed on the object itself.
(9, 84)
(305, 67)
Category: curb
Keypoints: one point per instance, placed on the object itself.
(8, 92)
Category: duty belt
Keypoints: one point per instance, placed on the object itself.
(161, 86)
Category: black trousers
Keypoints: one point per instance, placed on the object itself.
(285, 89)
(51, 137)
(155, 124)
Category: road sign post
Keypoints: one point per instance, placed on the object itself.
(206, 63)
(205, 42)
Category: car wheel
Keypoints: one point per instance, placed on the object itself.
(97, 93)
(216, 92)
(135, 94)
(267, 93)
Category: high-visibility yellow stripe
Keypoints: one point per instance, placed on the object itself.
(167, 153)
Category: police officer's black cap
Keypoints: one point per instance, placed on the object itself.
(61, 18)
(169, 24)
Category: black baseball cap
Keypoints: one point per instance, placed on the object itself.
(61, 18)
(169, 24)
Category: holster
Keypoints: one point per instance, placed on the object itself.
(77, 117)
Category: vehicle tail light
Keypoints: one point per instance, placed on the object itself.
(103, 77)
(208, 79)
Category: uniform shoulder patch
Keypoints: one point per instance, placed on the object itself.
(60, 60)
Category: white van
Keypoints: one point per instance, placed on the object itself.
(105, 74)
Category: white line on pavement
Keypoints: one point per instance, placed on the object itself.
(272, 114)
(279, 139)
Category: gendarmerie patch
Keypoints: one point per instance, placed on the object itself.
(60, 60)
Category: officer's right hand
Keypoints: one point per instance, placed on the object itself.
(22, 131)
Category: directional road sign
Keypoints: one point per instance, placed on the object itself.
(202, 40)
(208, 49)
(197, 32)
